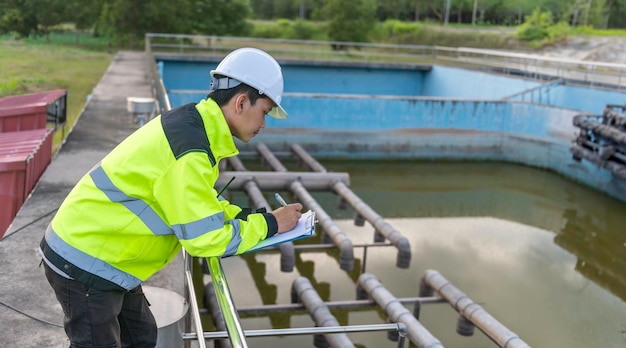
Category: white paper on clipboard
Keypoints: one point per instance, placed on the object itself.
(304, 228)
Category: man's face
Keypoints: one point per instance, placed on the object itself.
(250, 118)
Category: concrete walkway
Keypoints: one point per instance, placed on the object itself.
(29, 313)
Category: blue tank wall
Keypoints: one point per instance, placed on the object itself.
(308, 79)
(451, 82)
(592, 100)
(345, 113)
(417, 81)
(443, 113)
(186, 75)
(353, 80)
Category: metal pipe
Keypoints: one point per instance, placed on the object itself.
(599, 151)
(287, 252)
(307, 158)
(192, 298)
(280, 181)
(303, 291)
(403, 259)
(222, 291)
(346, 253)
(502, 336)
(421, 337)
(592, 123)
(352, 304)
(304, 331)
(617, 169)
(338, 238)
(383, 228)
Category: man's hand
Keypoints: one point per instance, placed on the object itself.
(287, 216)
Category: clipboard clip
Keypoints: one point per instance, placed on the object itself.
(310, 223)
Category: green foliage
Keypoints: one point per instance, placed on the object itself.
(263, 9)
(539, 29)
(395, 31)
(535, 26)
(419, 33)
(305, 30)
(12, 20)
(558, 31)
(221, 17)
(588, 30)
(287, 29)
(350, 21)
(290, 9)
(264, 29)
(284, 25)
(85, 14)
(280, 29)
(24, 85)
(18, 17)
(285, 8)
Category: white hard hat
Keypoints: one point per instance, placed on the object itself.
(256, 69)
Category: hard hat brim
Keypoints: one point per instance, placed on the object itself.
(278, 112)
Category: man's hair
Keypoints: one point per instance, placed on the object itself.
(222, 96)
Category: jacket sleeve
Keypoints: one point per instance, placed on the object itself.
(233, 211)
(203, 224)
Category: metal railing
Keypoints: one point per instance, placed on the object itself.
(158, 86)
(530, 65)
(234, 331)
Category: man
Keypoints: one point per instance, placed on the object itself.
(129, 216)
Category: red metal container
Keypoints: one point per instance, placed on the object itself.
(23, 158)
(32, 111)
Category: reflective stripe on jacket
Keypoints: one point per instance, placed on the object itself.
(128, 217)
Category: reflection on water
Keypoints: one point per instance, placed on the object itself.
(585, 222)
(543, 255)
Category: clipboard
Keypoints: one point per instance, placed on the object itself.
(304, 228)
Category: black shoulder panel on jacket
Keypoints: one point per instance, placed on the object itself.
(185, 132)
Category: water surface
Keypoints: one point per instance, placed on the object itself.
(543, 255)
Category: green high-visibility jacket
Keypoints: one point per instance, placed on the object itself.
(128, 217)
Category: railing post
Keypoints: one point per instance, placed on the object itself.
(193, 302)
(222, 291)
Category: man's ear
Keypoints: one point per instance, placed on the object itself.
(240, 99)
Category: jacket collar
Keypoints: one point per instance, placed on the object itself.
(220, 138)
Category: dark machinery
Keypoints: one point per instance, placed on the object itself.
(602, 139)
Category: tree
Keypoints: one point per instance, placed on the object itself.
(350, 21)
(50, 13)
(419, 6)
(263, 9)
(395, 9)
(18, 16)
(84, 14)
(221, 17)
(127, 21)
(536, 26)
(287, 9)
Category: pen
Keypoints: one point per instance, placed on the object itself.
(280, 199)
(224, 188)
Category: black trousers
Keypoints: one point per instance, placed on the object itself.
(103, 319)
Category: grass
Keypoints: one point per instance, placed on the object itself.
(30, 66)
(598, 32)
